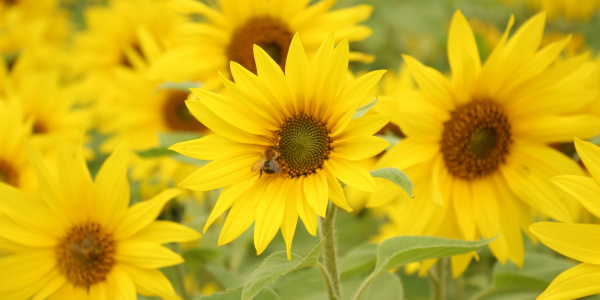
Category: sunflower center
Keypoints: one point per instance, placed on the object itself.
(86, 255)
(176, 114)
(304, 144)
(272, 35)
(8, 174)
(476, 139)
(39, 127)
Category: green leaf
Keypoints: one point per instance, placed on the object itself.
(396, 176)
(385, 287)
(275, 266)
(235, 294)
(364, 109)
(358, 260)
(402, 250)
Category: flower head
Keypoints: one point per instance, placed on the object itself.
(477, 143)
(282, 141)
(233, 27)
(79, 239)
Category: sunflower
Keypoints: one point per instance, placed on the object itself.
(14, 132)
(576, 240)
(476, 144)
(282, 141)
(79, 239)
(47, 101)
(113, 33)
(233, 27)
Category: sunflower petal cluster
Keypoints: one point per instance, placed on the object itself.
(78, 238)
(300, 120)
(477, 141)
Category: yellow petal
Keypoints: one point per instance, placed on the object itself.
(213, 147)
(55, 282)
(243, 212)
(463, 56)
(487, 213)
(142, 214)
(112, 188)
(290, 218)
(464, 210)
(584, 189)
(271, 72)
(227, 198)
(122, 283)
(432, 83)
(574, 283)
(363, 126)
(533, 187)
(572, 240)
(359, 148)
(150, 282)
(162, 232)
(146, 255)
(351, 173)
(222, 172)
(316, 191)
(590, 155)
(336, 194)
(305, 211)
(297, 74)
(270, 214)
(13, 231)
(19, 270)
(552, 129)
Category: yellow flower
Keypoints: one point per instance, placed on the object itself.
(32, 24)
(114, 33)
(47, 101)
(79, 239)
(282, 141)
(477, 143)
(577, 241)
(234, 26)
(14, 132)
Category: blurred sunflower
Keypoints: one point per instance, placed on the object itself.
(38, 25)
(138, 109)
(80, 240)
(233, 27)
(477, 143)
(112, 34)
(50, 104)
(14, 132)
(280, 152)
(576, 240)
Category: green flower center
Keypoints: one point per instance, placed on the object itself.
(476, 139)
(304, 145)
(8, 174)
(86, 255)
(176, 114)
(272, 35)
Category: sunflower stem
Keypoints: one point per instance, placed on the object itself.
(330, 250)
(437, 279)
(327, 280)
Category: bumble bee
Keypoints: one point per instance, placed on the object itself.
(267, 162)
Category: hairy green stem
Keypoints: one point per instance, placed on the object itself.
(327, 280)
(437, 279)
(330, 249)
